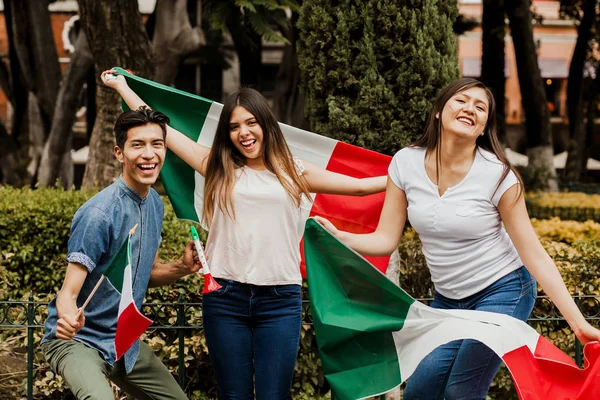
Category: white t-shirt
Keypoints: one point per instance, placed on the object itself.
(464, 243)
(261, 246)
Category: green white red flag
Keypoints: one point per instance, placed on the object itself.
(372, 335)
(197, 117)
(130, 323)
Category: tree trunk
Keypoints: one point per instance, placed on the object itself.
(35, 74)
(9, 154)
(537, 115)
(36, 135)
(576, 160)
(492, 58)
(288, 102)
(56, 156)
(173, 39)
(5, 84)
(18, 77)
(117, 37)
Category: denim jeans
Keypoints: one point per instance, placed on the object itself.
(252, 333)
(464, 369)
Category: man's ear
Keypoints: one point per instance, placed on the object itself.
(118, 154)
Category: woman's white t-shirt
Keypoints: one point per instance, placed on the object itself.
(261, 246)
(464, 243)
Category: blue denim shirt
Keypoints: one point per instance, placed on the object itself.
(99, 228)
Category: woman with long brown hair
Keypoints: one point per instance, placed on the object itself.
(252, 204)
(457, 189)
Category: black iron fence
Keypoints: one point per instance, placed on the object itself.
(30, 315)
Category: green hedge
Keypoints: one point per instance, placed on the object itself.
(567, 206)
(34, 228)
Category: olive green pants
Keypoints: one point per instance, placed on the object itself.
(85, 371)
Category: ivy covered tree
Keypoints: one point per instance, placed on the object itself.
(370, 68)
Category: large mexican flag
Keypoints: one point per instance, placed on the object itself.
(197, 118)
(130, 322)
(372, 335)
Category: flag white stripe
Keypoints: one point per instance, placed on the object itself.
(426, 329)
(126, 294)
(308, 146)
(207, 135)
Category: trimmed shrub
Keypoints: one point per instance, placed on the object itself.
(370, 68)
(568, 205)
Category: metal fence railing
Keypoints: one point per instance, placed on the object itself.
(29, 315)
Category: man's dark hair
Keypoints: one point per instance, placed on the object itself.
(142, 116)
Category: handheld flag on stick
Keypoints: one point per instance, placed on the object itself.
(197, 118)
(372, 335)
(130, 323)
(210, 284)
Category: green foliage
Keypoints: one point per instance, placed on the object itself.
(34, 229)
(371, 67)
(256, 16)
(572, 205)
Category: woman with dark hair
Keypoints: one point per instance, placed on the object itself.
(457, 189)
(252, 197)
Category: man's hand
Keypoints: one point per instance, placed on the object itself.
(190, 260)
(68, 326)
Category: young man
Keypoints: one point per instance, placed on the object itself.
(82, 349)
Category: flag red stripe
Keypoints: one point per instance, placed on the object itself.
(350, 213)
(130, 326)
(550, 374)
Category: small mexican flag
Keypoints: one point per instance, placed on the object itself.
(372, 335)
(130, 323)
(197, 118)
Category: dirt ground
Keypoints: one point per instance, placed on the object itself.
(13, 370)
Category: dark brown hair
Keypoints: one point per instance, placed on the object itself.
(432, 137)
(142, 116)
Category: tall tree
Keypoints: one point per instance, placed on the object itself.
(537, 115)
(492, 57)
(586, 12)
(371, 67)
(117, 37)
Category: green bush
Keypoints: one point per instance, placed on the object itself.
(568, 205)
(370, 68)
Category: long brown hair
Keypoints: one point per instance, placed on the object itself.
(432, 138)
(225, 158)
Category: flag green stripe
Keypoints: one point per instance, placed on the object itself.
(115, 270)
(187, 113)
(355, 309)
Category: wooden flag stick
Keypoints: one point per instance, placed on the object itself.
(80, 311)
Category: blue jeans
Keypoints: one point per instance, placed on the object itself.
(252, 333)
(464, 369)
